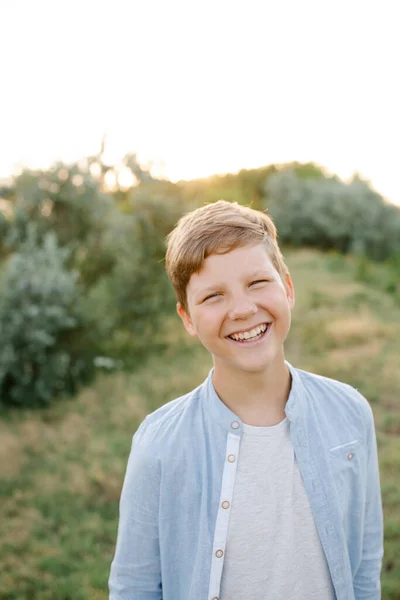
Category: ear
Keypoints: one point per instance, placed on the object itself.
(186, 320)
(289, 290)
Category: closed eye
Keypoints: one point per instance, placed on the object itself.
(212, 296)
(259, 281)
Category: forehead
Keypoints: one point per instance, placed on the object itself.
(242, 262)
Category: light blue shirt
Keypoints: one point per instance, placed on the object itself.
(174, 510)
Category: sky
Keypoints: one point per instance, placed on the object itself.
(203, 87)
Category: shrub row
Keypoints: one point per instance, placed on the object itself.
(82, 282)
(329, 214)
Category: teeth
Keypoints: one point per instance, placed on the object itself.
(249, 334)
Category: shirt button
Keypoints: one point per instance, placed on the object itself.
(225, 504)
(215, 598)
(231, 458)
(235, 425)
(219, 553)
(350, 456)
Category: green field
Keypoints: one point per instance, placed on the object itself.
(61, 469)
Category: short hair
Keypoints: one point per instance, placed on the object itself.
(217, 228)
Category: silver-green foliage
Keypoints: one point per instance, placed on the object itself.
(43, 350)
(4, 227)
(64, 199)
(329, 214)
(129, 303)
(114, 250)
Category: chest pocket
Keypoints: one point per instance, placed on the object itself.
(348, 463)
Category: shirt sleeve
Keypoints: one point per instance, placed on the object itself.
(367, 584)
(135, 571)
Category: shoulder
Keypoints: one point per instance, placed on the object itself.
(154, 446)
(335, 396)
(169, 422)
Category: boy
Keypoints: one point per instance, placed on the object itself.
(263, 482)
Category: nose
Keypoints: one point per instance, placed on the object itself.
(241, 308)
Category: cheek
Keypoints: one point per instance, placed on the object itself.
(209, 320)
(275, 298)
(277, 304)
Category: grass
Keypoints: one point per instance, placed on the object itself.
(61, 469)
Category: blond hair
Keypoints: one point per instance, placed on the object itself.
(217, 228)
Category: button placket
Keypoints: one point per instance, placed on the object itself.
(221, 525)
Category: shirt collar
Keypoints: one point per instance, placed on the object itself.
(229, 421)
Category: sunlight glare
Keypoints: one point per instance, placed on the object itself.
(110, 180)
(126, 179)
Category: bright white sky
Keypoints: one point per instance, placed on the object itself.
(207, 86)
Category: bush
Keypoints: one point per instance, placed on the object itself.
(130, 303)
(96, 256)
(65, 199)
(329, 214)
(45, 346)
(4, 227)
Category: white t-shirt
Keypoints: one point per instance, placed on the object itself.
(273, 550)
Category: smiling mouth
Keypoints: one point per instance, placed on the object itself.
(250, 336)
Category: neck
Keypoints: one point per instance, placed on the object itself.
(258, 399)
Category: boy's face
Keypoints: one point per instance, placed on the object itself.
(240, 295)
